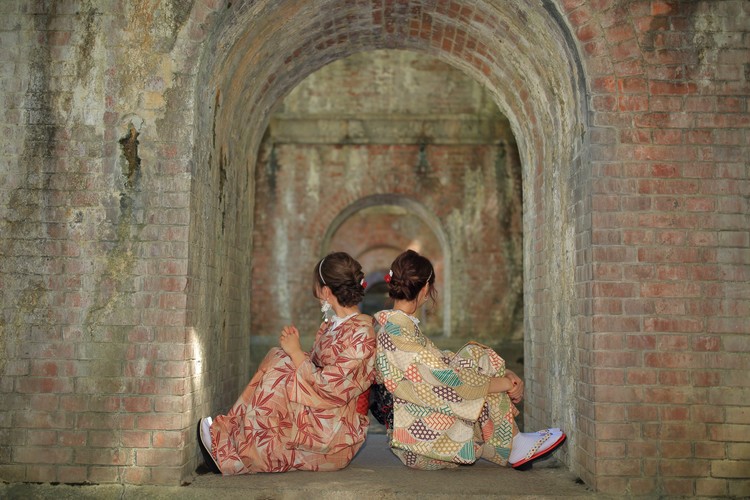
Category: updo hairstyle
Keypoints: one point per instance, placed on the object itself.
(343, 275)
(411, 272)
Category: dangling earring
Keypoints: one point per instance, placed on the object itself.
(327, 311)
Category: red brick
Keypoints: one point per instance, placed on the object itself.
(685, 468)
(137, 475)
(607, 307)
(137, 404)
(670, 395)
(676, 449)
(102, 456)
(681, 486)
(641, 377)
(738, 415)
(711, 487)
(616, 324)
(614, 358)
(72, 438)
(673, 360)
(618, 431)
(706, 343)
(671, 273)
(610, 449)
(616, 394)
(103, 439)
(729, 469)
(729, 325)
(619, 467)
(168, 439)
(730, 433)
(735, 451)
(639, 307)
(670, 290)
(160, 422)
(151, 458)
(42, 455)
(43, 384)
(613, 290)
(41, 474)
(611, 485)
(41, 438)
(103, 474)
(674, 377)
(642, 486)
(632, 85)
(641, 342)
(729, 396)
(684, 431)
(608, 377)
(710, 450)
(669, 307)
(673, 325)
(640, 413)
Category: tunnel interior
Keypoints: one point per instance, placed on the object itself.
(299, 143)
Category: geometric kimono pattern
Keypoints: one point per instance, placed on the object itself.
(442, 413)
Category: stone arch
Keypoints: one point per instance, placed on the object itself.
(429, 219)
(256, 52)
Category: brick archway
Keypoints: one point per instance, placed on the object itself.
(521, 54)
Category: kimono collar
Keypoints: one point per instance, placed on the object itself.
(336, 321)
(412, 318)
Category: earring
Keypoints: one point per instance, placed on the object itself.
(327, 311)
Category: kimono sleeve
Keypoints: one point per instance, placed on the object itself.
(337, 383)
(414, 370)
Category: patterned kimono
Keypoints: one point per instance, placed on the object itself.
(443, 415)
(309, 418)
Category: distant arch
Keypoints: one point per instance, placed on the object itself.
(429, 219)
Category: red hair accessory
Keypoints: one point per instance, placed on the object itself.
(363, 283)
(388, 276)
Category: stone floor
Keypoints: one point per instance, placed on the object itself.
(374, 473)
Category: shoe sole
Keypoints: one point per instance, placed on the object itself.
(539, 454)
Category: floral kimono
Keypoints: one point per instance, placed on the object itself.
(443, 415)
(309, 418)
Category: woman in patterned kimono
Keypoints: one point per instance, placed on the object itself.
(447, 408)
(304, 411)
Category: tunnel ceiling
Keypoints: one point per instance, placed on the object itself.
(262, 50)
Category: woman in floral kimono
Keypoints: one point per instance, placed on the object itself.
(447, 409)
(304, 411)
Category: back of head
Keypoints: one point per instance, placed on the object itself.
(411, 272)
(343, 275)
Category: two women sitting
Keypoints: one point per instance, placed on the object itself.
(308, 411)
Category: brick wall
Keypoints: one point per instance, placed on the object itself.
(670, 231)
(125, 285)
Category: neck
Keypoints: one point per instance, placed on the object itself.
(406, 306)
(343, 312)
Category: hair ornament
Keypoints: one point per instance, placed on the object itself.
(389, 276)
(363, 283)
(320, 270)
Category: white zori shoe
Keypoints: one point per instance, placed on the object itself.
(206, 433)
(528, 446)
